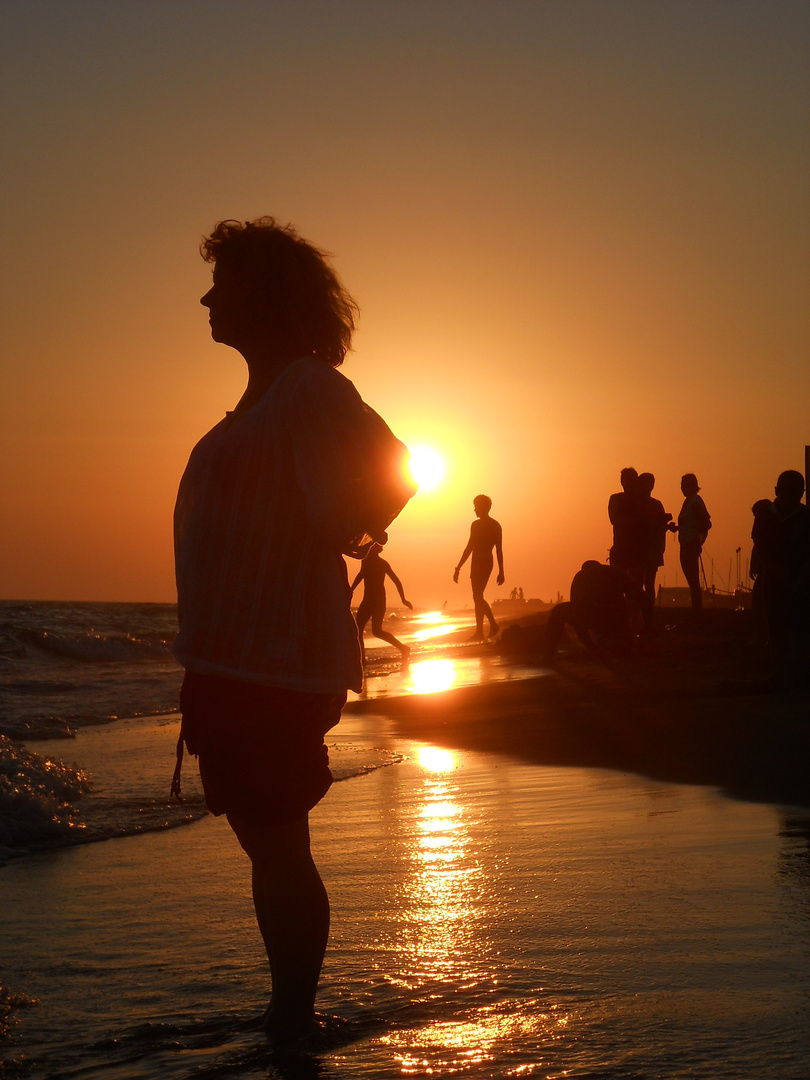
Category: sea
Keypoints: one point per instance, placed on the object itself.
(491, 918)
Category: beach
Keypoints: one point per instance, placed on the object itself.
(691, 707)
(526, 880)
(490, 918)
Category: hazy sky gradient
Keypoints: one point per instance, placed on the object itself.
(578, 231)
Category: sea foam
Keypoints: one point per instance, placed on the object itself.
(37, 799)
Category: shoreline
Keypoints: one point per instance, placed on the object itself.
(684, 710)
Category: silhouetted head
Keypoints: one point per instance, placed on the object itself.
(628, 478)
(646, 483)
(589, 565)
(482, 504)
(689, 484)
(374, 551)
(273, 287)
(789, 489)
(760, 505)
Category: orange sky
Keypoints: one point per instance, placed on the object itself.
(578, 231)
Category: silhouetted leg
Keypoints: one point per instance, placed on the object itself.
(650, 574)
(482, 609)
(361, 618)
(383, 635)
(292, 910)
(776, 615)
(690, 564)
(585, 633)
(556, 627)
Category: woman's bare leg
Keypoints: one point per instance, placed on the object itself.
(292, 910)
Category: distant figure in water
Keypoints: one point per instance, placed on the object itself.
(373, 572)
(300, 473)
(781, 536)
(693, 527)
(600, 610)
(485, 534)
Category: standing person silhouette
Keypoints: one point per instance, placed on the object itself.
(299, 473)
(485, 534)
(657, 524)
(628, 552)
(693, 527)
(373, 572)
(781, 536)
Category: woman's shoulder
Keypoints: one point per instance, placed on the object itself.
(308, 374)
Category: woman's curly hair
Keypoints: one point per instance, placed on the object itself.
(299, 294)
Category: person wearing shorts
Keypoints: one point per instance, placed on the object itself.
(485, 534)
(373, 572)
(299, 474)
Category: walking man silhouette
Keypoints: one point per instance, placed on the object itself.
(485, 535)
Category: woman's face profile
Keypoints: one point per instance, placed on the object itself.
(231, 311)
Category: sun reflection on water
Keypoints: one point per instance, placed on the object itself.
(460, 1044)
(446, 958)
(440, 938)
(435, 759)
(434, 624)
(431, 676)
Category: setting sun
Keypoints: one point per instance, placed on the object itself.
(427, 467)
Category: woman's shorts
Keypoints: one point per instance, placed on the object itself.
(260, 748)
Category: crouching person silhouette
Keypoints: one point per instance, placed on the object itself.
(299, 473)
(600, 611)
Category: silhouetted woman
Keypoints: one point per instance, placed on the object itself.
(298, 473)
(693, 527)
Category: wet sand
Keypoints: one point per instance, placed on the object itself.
(491, 918)
(691, 707)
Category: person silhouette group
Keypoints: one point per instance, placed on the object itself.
(640, 525)
(610, 604)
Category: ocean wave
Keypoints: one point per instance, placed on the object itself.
(46, 803)
(37, 800)
(99, 648)
(8, 1002)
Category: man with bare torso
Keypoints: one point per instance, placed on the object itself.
(373, 573)
(485, 534)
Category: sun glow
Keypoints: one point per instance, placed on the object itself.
(431, 676)
(427, 467)
(435, 759)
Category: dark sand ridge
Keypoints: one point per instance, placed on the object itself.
(691, 708)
